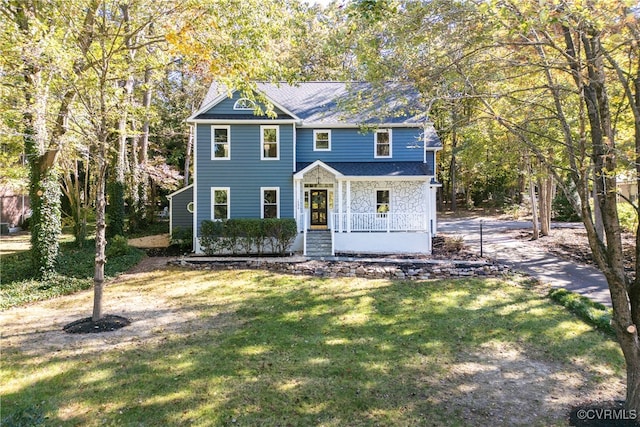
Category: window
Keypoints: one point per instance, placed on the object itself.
(270, 202)
(383, 143)
(220, 143)
(321, 140)
(219, 203)
(244, 104)
(269, 140)
(382, 202)
(190, 207)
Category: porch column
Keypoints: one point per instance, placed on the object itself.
(348, 206)
(296, 201)
(427, 207)
(340, 207)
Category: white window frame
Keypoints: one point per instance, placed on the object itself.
(375, 202)
(262, 204)
(262, 129)
(213, 142)
(244, 104)
(315, 139)
(375, 144)
(213, 199)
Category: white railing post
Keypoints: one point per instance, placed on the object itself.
(304, 233)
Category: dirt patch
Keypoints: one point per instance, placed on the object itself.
(157, 241)
(572, 244)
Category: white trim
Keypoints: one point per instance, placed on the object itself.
(262, 129)
(315, 134)
(317, 125)
(213, 143)
(300, 174)
(257, 121)
(262, 190)
(375, 144)
(213, 190)
(238, 107)
(175, 193)
(375, 201)
(215, 101)
(195, 242)
(426, 178)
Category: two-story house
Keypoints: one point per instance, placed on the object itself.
(354, 166)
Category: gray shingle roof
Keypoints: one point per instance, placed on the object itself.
(358, 103)
(377, 168)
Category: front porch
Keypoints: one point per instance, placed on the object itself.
(365, 214)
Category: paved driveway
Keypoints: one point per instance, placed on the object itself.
(497, 244)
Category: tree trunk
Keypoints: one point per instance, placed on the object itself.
(100, 261)
(187, 157)
(532, 197)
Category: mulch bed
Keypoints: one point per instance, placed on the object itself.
(108, 323)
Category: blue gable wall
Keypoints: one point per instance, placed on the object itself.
(225, 108)
(244, 173)
(351, 145)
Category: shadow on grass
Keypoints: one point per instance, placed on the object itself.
(306, 351)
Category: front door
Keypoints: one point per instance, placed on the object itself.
(318, 208)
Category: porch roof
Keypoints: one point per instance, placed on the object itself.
(390, 169)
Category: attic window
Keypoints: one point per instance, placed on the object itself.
(244, 104)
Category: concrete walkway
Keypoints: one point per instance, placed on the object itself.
(547, 268)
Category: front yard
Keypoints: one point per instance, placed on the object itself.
(259, 348)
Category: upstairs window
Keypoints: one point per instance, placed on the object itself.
(270, 142)
(383, 143)
(382, 202)
(220, 148)
(321, 140)
(270, 202)
(244, 104)
(219, 203)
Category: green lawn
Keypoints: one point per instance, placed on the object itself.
(259, 348)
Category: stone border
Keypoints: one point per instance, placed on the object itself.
(399, 269)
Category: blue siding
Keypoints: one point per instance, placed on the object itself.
(225, 107)
(431, 161)
(351, 145)
(180, 216)
(244, 173)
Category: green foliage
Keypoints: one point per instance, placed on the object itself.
(75, 269)
(183, 238)
(563, 209)
(45, 222)
(117, 246)
(115, 209)
(247, 235)
(591, 312)
(628, 216)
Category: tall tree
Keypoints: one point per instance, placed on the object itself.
(551, 73)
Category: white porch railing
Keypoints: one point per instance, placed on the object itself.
(392, 221)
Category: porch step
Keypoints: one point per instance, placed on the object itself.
(319, 243)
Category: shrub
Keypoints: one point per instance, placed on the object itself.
(117, 246)
(183, 238)
(628, 216)
(592, 312)
(563, 209)
(247, 235)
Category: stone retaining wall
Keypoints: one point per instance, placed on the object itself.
(373, 270)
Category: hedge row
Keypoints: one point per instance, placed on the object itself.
(590, 311)
(248, 236)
